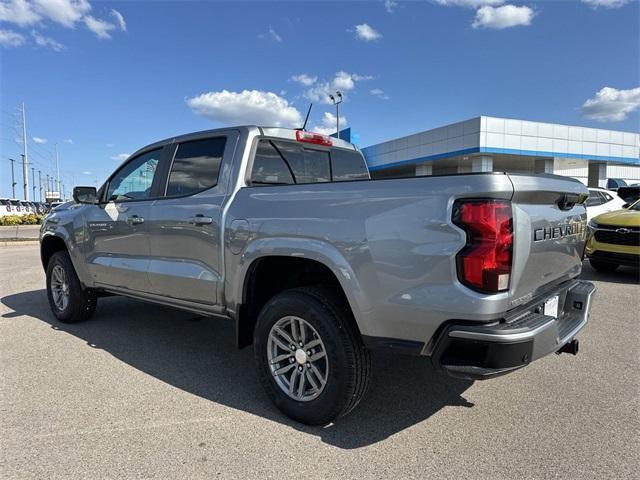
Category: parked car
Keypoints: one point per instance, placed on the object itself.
(630, 193)
(615, 183)
(283, 232)
(5, 207)
(16, 207)
(614, 239)
(602, 201)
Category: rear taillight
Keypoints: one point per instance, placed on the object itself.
(316, 138)
(484, 264)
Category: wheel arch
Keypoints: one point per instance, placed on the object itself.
(288, 267)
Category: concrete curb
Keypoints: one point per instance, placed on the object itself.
(18, 242)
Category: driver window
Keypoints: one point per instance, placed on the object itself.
(134, 180)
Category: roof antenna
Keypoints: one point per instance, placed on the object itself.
(306, 118)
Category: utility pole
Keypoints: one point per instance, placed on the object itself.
(337, 104)
(33, 182)
(13, 179)
(57, 168)
(40, 183)
(25, 157)
(47, 189)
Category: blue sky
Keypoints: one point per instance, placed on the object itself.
(101, 79)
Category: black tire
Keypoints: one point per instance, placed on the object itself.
(603, 266)
(82, 301)
(349, 361)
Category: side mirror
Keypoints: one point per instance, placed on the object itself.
(626, 205)
(85, 195)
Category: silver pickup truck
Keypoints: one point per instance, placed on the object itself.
(284, 232)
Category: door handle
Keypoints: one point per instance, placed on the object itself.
(200, 220)
(135, 220)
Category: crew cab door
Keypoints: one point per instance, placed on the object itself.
(184, 225)
(117, 247)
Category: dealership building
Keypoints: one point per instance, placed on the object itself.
(486, 144)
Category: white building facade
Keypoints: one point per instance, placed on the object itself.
(485, 144)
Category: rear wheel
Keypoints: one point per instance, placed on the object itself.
(310, 358)
(603, 266)
(69, 302)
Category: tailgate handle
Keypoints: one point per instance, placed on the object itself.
(568, 200)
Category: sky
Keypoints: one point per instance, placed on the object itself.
(101, 79)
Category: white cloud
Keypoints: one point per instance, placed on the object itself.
(328, 125)
(121, 157)
(9, 38)
(99, 27)
(469, 3)
(605, 3)
(68, 140)
(46, 42)
(389, 5)
(254, 107)
(39, 140)
(304, 79)
(274, 35)
(611, 104)
(271, 34)
(19, 12)
(505, 16)
(67, 13)
(87, 172)
(342, 81)
(378, 92)
(367, 33)
(64, 12)
(122, 25)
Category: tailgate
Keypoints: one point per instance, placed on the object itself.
(549, 232)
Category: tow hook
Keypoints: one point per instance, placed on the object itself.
(571, 347)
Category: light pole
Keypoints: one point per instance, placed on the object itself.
(337, 101)
(13, 179)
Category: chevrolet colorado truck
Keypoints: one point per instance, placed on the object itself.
(284, 232)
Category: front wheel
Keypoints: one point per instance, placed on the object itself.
(69, 302)
(310, 358)
(603, 266)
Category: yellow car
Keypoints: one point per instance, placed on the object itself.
(614, 239)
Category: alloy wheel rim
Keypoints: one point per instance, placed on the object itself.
(297, 358)
(59, 288)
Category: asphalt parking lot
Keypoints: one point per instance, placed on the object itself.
(143, 391)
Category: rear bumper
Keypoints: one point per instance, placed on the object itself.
(485, 351)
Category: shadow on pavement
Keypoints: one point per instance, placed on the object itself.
(625, 275)
(198, 355)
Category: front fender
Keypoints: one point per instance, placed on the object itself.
(312, 249)
(71, 234)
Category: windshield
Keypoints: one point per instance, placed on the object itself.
(635, 207)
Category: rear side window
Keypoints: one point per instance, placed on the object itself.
(594, 199)
(279, 162)
(269, 167)
(195, 166)
(347, 165)
(308, 166)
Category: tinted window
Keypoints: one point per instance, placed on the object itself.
(594, 199)
(269, 166)
(275, 162)
(196, 166)
(347, 165)
(309, 166)
(134, 180)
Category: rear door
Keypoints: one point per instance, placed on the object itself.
(117, 246)
(550, 231)
(184, 225)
